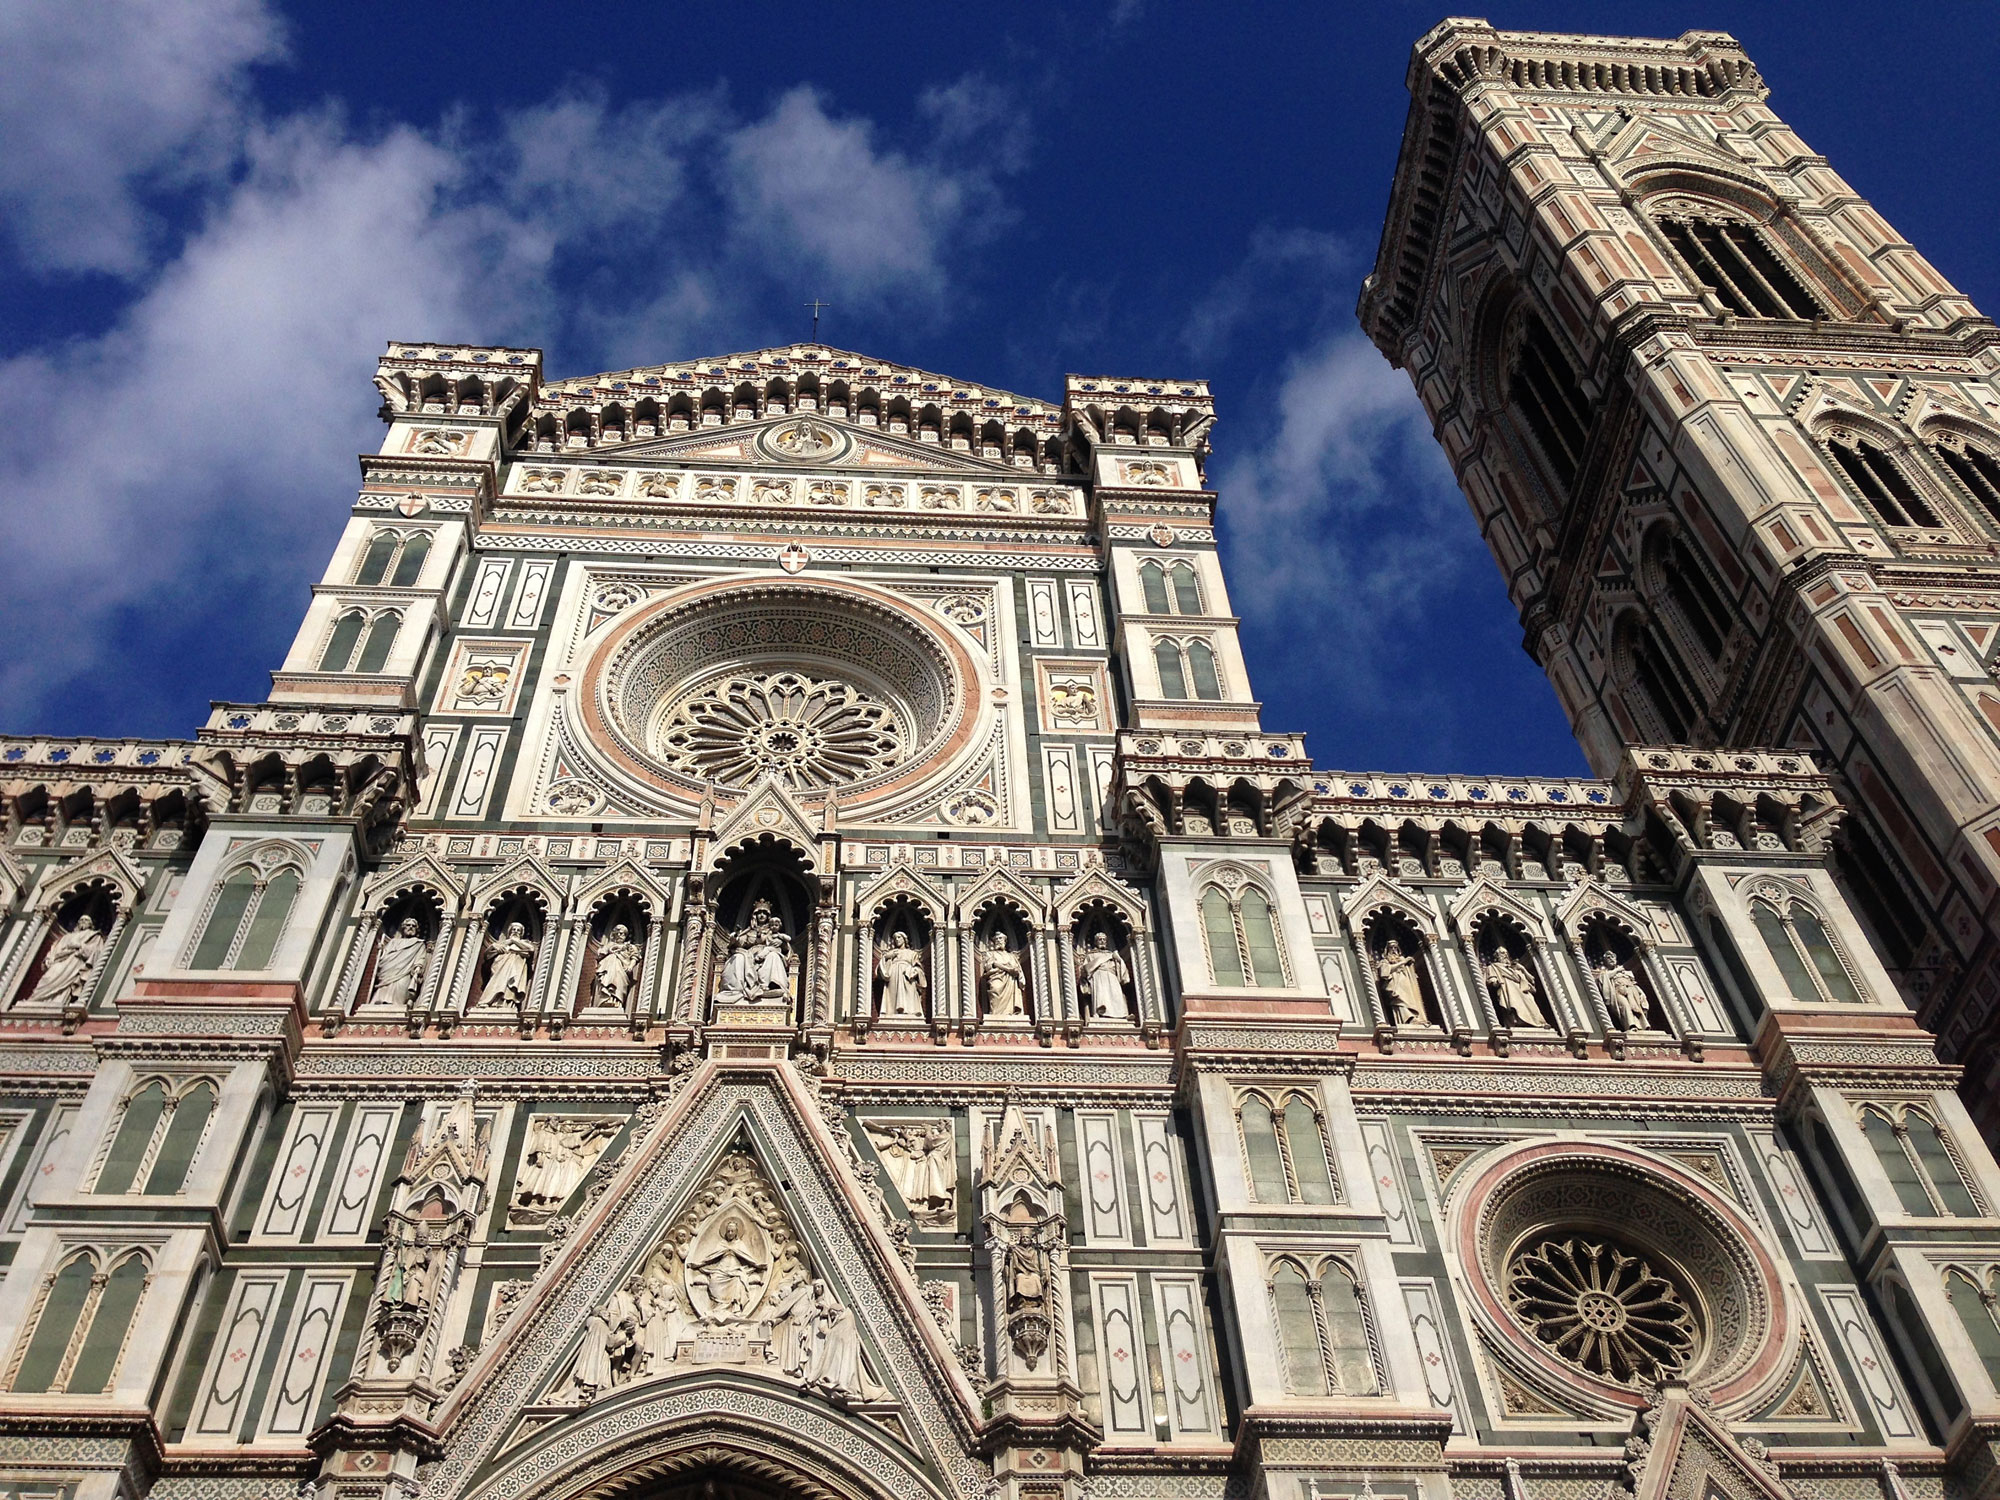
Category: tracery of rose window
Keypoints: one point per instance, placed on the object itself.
(810, 732)
(1602, 1308)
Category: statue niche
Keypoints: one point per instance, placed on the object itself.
(1506, 959)
(1001, 951)
(760, 963)
(1617, 963)
(1402, 976)
(507, 959)
(902, 943)
(727, 1284)
(404, 942)
(613, 961)
(64, 971)
(1104, 968)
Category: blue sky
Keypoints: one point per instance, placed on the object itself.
(213, 215)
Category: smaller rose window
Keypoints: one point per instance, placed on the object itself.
(809, 732)
(1602, 1308)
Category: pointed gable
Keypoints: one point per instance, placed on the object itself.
(745, 1144)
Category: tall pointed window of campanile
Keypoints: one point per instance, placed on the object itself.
(1543, 389)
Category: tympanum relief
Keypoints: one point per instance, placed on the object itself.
(728, 1284)
(560, 1150)
(922, 1158)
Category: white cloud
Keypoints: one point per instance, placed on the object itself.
(1343, 523)
(181, 456)
(100, 99)
(804, 183)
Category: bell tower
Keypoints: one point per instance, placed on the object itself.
(1735, 446)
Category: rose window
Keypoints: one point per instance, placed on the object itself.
(810, 732)
(1602, 1308)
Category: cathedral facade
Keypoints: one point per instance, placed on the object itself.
(759, 947)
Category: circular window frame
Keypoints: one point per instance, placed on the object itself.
(619, 740)
(1718, 1260)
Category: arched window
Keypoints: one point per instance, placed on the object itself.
(1242, 937)
(1918, 1161)
(1696, 597)
(132, 1146)
(394, 559)
(1292, 1304)
(379, 558)
(1804, 953)
(247, 919)
(411, 563)
(381, 637)
(1218, 921)
(1657, 669)
(1286, 1150)
(1975, 1305)
(1167, 657)
(1305, 1151)
(158, 1138)
(85, 1320)
(1734, 263)
(1544, 390)
(225, 920)
(339, 653)
(1260, 1148)
(1975, 468)
(1323, 1328)
(1153, 580)
(1345, 1319)
(1187, 593)
(186, 1124)
(1880, 481)
(1201, 667)
(1260, 937)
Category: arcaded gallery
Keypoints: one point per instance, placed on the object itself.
(760, 945)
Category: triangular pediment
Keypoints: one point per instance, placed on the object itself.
(1690, 1453)
(422, 873)
(109, 867)
(733, 1268)
(768, 812)
(812, 442)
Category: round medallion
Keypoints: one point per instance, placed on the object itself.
(825, 687)
(1600, 1271)
(1602, 1308)
(808, 732)
(803, 440)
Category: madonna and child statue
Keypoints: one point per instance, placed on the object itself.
(760, 965)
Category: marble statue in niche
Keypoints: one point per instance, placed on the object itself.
(1102, 976)
(72, 959)
(727, 1284)
(922, 1159)
(399, 965)
(617, 974)
(1001, 975)
(1513, 985)
(901, 970)
(1402, 986)
(758, 966)
(558, 1152)
(1625, 997)
(510, 967)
